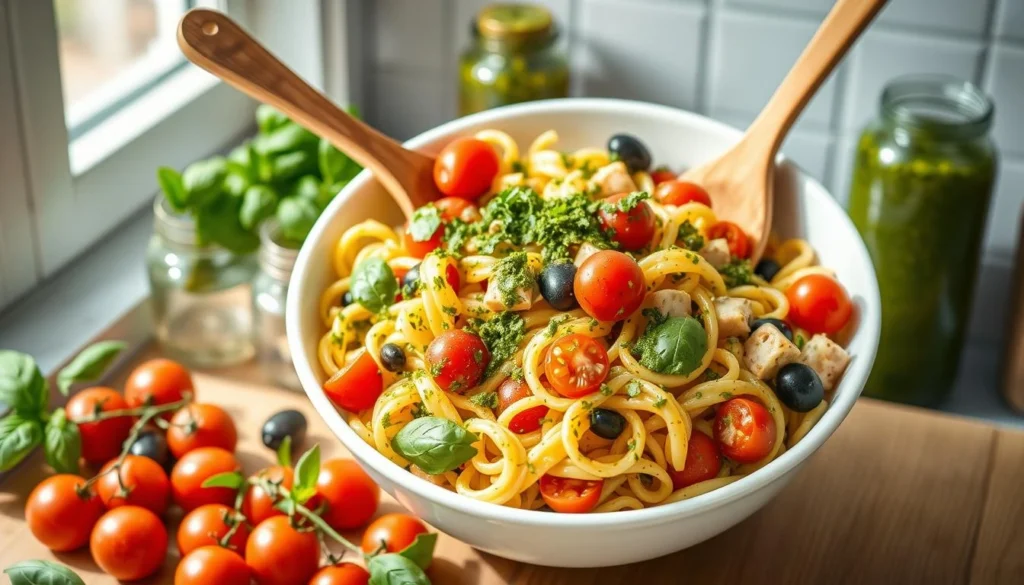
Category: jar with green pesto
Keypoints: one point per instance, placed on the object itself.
(922, 183)
(514, 57)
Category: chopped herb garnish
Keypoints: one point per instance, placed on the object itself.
(626, 204)
(502, 335)
(633, 389)
(800, 341)
(710, 374)
(690, 237)
(660, 402)
(512, 274)
(485, 399)
(587, 405)
(737, 272)
(425, 222)
(435, 369)
(385, 421)
(606, 390)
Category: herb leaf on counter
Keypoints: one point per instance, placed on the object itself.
(89, 365)
(62, 443)
(395, 569)
(35, 572)
(19, 435)
(22, 386)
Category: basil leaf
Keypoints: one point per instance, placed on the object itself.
(42, 573)
(228, 479)
(245, 155)
(269, 118)
(258, 203)
(22, 386)
(676, 346)
(296, 218)
(291, 165)
(425, 222)
(89, 365)
(307, 187)
(373, 284)
(220, 223)
(235, 184)
(331, 161)
(62, 443)
(204, 180)
(435, 445)
(284, 452)
(306, 472)
(18, 437)
(289, 137)
(174, 189)
(394, 569)
(421, 551)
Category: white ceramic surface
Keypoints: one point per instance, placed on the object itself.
(678, 139)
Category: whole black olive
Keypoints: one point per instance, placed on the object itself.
(410, 282)
(287, 423)
(556, 285)
(767, 269)
(799, 387)
(778, 323)
(392, 357)
(607, 424)
(346, 299)
(152, 444)
(631, 151)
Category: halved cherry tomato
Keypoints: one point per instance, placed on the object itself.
(129, 543)
(457, 208)
(201, 425)
(512, 391)
(341, 574)
(142, 483)
(457, 360)
(661, 175)
(278, 554)
(744, 430)
(703, 462)
(61, 514)
(421, 249)
(357, 386)
(675, 192)
(466, 168)
(739, 243)
(451, 274)
(570, 496)
(101, 440)
(610, 286)
(392, 533)
(576, 365)
(350, 494)
(818, 304)
(212, 564)
(632, 229)
(158, 381)
(206, 525)
(258, 505)
(196, 467)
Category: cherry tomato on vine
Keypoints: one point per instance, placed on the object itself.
(208, 524)
(356, 386)
(661, 175)
(129, 543)
(466, 168)
(744, 430)
(350, 494)
(632, 229)
(703, 462)
(457, 360)
(158, 381)
(512, 391)
(142, 483)
(392, 533)
(201, 425)
(59, 515)
(818, 304)
(278, 554)
(673, 192)
(609, 286)
(258, 505)
(193, 469)
(211, 565)
(101, 440)
(570, 496)
(576, 365)
(739, 243)
(341, 574)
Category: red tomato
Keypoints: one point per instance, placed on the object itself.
(818, 304)
(258, 505)
(158, 381)
(193, 469)
(466, 168)
(357, 386)
(739, 243)
(212, 564)
(341, 574)
(451, 274)
(206, 525)
(201, 425)
(129, 543)
(101, 440)
(702, 462)
(278, 554)
(457, 208)
(576, 365)
(610, 286)
(745, 430)
(392, 532)
(457, 360)
(570, 496)
(675, 192)
(632, 229)
(143, 483)
(60, 514)
(512, 391)
(350, 494)
(661, 175)
(421, 249)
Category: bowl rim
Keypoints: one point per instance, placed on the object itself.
(870, 324)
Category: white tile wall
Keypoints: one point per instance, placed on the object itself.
(1009, 21)
(1005, 83)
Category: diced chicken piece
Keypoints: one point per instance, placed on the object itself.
(494, 299)
(716, 252)
(434, 479)
(825, 357)
(612, 179)
(671, 303)
(767, 350)
(586, 251)
(734, 315)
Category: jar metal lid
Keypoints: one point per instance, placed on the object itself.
(515, 23)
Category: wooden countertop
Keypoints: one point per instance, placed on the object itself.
(897, 495)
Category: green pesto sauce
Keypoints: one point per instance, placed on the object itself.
(492, 79)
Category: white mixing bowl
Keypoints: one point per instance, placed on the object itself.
(680, 140)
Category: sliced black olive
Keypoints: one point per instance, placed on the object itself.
(152, 444)
(411, 282)
(778, 323)
(346, 299)
(631, 151)
(799, 387)
(392, 357)
(287, 423)
(555, 283)
(767, 269)
(607, 424)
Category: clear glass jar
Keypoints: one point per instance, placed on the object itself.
(922, 183)
(199, 294)
(269, 291)
(514, 57)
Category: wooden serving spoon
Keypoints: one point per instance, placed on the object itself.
(741, 179)
(219, 45)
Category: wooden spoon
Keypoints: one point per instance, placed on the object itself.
(218, 44)
(741, 179)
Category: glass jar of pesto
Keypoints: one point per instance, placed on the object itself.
(922, 182)
(513, 57)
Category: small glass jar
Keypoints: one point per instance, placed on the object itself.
(922, 183)
(269, 291)
(199, 294)
(513, 57)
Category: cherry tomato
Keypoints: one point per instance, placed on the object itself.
(457, 208)
(576, 365)
(512, 391)
(101, 440)
(201, 425)
(419, 249)
(392, 532)
(277, 554)
(739, 243)
(193, 469)
(466, 168)
(744, 430)
(258, 505)
(673, 192)
(206, 525)
(61, 516)
(142, 483)
(451, 275)
(212, 564)
(632, 229)
(158, 381)
(341, 574)
(610, 286)
(570, 496)
(818, 304)
(350, 494)
(661, 175)
(703, 462)
(357, 386)
(129, 543)
(457, 360)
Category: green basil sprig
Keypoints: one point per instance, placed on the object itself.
(19, 435)
(395, 569)
(373, 285)
(436, 445)
(89, 365)
(62, 443)
(675, 346)
(42, 573)
(22, 386)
